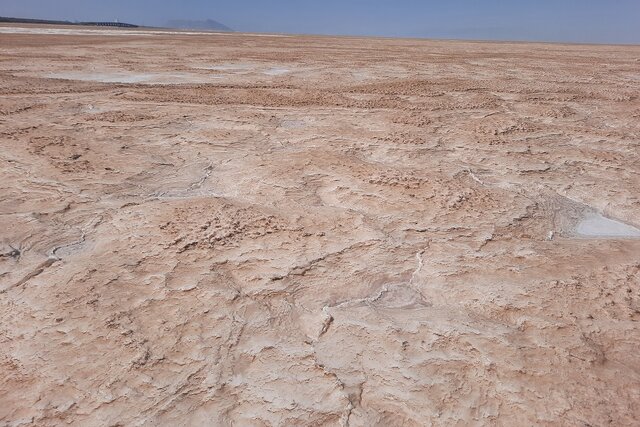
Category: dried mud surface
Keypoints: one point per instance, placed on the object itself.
(254, 230)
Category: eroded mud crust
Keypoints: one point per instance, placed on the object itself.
(253, 230)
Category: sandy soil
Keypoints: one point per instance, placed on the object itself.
(249, 230)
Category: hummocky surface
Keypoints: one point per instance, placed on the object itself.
(266, 230)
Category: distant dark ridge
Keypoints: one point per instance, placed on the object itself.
(34, 21)
(52, 22)
(109, 24)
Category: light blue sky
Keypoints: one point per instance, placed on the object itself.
(604, 21)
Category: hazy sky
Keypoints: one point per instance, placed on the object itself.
(613, 21)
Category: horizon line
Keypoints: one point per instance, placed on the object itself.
(139, 27)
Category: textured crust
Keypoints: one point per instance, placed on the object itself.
(254, 230)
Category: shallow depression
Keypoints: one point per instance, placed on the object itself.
(276, 71)
(596, 225)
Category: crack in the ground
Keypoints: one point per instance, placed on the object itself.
(301, 270)
(34, 273)
(207, 173)
(53, 257)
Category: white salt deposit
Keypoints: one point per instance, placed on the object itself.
(132, 77)
(80, 31)
(596, 225)
(276, 71)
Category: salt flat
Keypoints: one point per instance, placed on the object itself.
(234, 229)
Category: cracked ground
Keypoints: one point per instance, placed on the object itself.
(265, 230)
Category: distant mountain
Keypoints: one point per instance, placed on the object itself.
(209, 24)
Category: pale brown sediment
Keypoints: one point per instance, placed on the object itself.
(253, 230)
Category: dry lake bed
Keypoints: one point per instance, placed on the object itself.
(251, 230)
